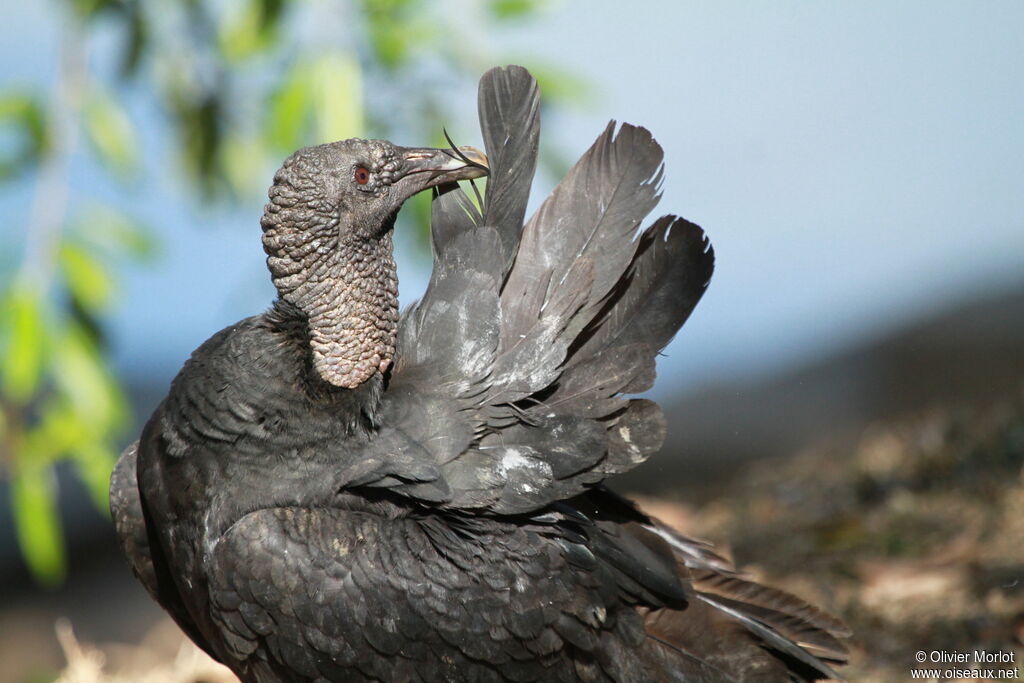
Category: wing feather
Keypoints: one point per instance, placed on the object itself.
(509, 108)
(513, 369)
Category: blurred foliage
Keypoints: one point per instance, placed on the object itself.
(240, 84)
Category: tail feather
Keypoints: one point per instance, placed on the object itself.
(669, 273)
(729, 625)
(690, 649)
(807, 639)
(693, 553)
(615, 353)
(772, 638)
(593, 386)
(593, 213)
(531, 360)
(769, 599)
(813, 640)
(454, 328)
(509, 108)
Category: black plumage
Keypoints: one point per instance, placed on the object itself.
(334, 492)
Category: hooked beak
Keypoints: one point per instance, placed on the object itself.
(424, 167)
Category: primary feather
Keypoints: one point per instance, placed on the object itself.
(334, 492)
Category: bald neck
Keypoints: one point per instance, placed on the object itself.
(343, 281)
(351, 302)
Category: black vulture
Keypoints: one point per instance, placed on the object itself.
(334, 492)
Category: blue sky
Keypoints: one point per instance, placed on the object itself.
(856, 166)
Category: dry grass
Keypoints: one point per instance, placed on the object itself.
(164, 656)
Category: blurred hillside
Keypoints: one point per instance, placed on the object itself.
(968, 355)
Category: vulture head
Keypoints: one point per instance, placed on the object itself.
(327, 234)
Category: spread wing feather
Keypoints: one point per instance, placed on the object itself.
(593, 213)
(508, 392)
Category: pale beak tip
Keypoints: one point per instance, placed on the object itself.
(475, 156)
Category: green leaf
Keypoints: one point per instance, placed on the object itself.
(199, 120)
(87, 280)
(23, 352)
(94, 462)
(88, 8)
(84, 380)
(391, 47)
(115, 233)
(270, 12)
(244, 164)
(111, 132)
(13, 105)
(61, 430)
(25, 114)
(289, 108)
(26, 109)
(514, 9)
(388, 28)
(336, 83)
(136, 40)
(246, 31)
(37, 523)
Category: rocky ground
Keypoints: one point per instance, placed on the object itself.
(914, 535)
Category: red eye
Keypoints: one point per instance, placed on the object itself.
(362, 176)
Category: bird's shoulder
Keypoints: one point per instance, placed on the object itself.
(254, 379)
(241, 417)
(255, 349)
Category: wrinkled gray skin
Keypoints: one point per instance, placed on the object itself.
(317, 500)
(328, 242)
